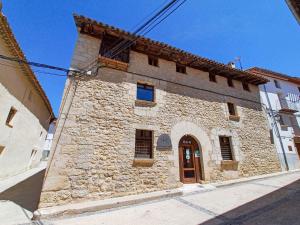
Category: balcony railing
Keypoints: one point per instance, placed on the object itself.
(290, 103)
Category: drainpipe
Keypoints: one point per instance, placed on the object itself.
(276, 128)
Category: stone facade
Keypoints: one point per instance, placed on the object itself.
(94, 144)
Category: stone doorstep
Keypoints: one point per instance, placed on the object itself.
(98, 205)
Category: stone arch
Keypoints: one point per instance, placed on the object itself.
(188, 128)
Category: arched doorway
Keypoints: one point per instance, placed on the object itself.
(189, 160)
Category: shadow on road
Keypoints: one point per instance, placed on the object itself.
(26, 193)
(281, 207)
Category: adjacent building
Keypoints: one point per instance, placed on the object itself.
(25, 112)
(48, 140)
(281, 100)
(152, 117)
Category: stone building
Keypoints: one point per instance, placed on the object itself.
(152, 118)
(25, 112)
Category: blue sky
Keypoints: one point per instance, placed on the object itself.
(263, 32)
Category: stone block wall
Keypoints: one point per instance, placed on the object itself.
(95, 143)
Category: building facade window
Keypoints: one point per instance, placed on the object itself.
(231, 109)
(277, 84)
(290, 148)
(10, 117)
(299, 89)
(145, 92)
(281, 121)
(271, 136)
(107, 49)
(212, 77)
(226, 150)
(246, 86)
(1, 149)
(180, 69)
(230, 82)
(143, 144)
(153, 61)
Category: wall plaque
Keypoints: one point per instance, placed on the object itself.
(164, 142)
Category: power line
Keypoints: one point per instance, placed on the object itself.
(141, 28)
(35, 64)
(36, 71)
(145, 28)
(149, 26)
(146, 32)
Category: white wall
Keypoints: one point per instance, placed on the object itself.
(287, 134)
(30, 123)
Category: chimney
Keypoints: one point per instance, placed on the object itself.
(232, 65)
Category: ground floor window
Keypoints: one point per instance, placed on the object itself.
(143, 144)
(226, 150)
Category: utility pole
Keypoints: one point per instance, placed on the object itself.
(276, 127)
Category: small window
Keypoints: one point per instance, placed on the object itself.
(180, 69)
(290, 148)
(153, 61)
(11, 114)
(230, 82)
(299, 89)
(212, 77)
(231, 109)
(33, 154)
(277, 84)
(145, 92)
(271, 136)
(225, 145)
(143, 144)
(1, 149)
(30, 95)
(246, 86)
(281, 121)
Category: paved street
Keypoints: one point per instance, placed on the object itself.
(270, 201)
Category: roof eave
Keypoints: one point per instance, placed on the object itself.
(95, 28)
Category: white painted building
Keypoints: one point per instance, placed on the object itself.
(48, 141)
(25, 112)
(281, 99)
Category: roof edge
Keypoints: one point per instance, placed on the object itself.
(17, 51)
(79, 20)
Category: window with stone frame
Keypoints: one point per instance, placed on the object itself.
(230, 82)
(226, 149)
(180, 69)
(152, 60)
(231, 109)
(212, 77)
(145, 92)
(143, 144)
(246, 86)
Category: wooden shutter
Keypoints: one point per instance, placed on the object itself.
(225, 145)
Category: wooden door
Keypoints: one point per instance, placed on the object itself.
(189, 161)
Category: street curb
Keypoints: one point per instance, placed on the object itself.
(249, 179)
(93, 206)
